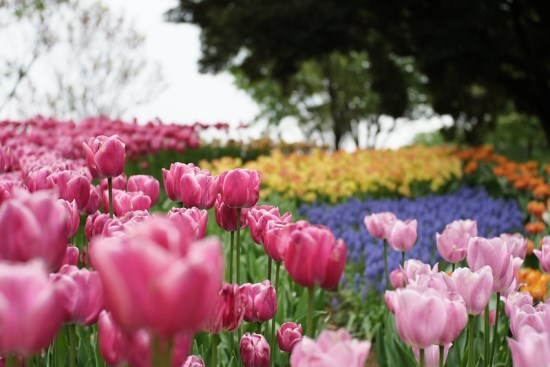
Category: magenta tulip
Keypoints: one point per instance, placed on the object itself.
(226, 217)
(192, 220)
(228, 310)
(261, 304)
(314, 256)
(452, 244)
(254, 350)
(198, 189)
(240, 188)
(474, 287)
(146, 184)
(275, 247)
(95, 224)
(30, 313)
(260, 216)
(124, 202)
(125, 223)
(71, 256)
(72, 217)
(119, 182)
(402, 235)
(71, 185)
(288, 335)
(172, 178)
(94, 202)
(105, 156)
(379, 224)
(183, 277)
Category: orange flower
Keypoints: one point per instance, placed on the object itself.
(521, 183)
(536, 208)
(471, 167)
(500, 171)
(541, 191)
(534, 227)
(530, 247)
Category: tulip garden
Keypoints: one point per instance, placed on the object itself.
(137, 245)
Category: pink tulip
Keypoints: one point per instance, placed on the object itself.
(258, 218)
(240, 188)
(33, 226)
(261, 304)
(452, 244)
(192, 219)
(474, 287)
(288, 335)
(124, 202)
(226, 217)
(71, 256)
(516, 300)
(126, 222)
(94, 202)
(529, 316)
(457, 318)
(517, 243)
(95, 224)
(402, 235)
(72, 216)
(397, 278)
(229, 308)
(105, 156)
(498, 256)
(413, 268)
(172, 178)
(82, 294)
(30, 314)
(275, 247)
(333, 348)
(530, 349)
(431, 355)
(254, 350)
(198, 189)
(71, 185)
(379, 224)
(146, 184)
(193, 361)
(544, 256)
(314, 256)
(183, 277)
(119, 182)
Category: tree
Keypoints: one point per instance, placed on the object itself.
(71, 59)
(480, 58)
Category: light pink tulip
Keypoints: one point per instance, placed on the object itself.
(517, 243)
(452, 244)
(544, 256)
(397, 278)
(146, 184)
(172, 178)
(474, 287)
(176, 270)
(105, 156)
(261, 304)
(379, 224)
(254, 350)
(240, 188)
(431, 355)
(413, 268)
(402, 235)
(530, 349)
(314, 256)
(529, 316)
(30, 313)
(193, 220)
(193, 361)
(228, 310)
(516, 300)
(288, 335)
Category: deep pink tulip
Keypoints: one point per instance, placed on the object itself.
(474, 287)
(431, 355)
(240, 188)
(275, 244)
(71, 256)
(379, 224)
(119, 183)
(33, 226)
(172, 178)
(495, 253)
(517, 243)
(530, 349)
(82, 294)
(124, 202)
(146, 184)
(126, 222)
(94, 202)
(95, 224)
(193, 361)
(198, 189)
(71, 185)
(333, 348)
(37, 179)
(516, 300)
(288, 335)
(402, 235)
(260, 216)
(254, 350)
(314, 256)
(544, 255)
(229, 308)
(226, 217)
(105, 156)
(193, 220)
(452, 244)
(183, 277)
(261, 304)
(30, 314)
(72, 216)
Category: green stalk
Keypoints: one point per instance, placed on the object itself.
(453, 266)
(215, 349)
(403, 259)
(495, 330)
(269, 267)
(238, 246)
(272, 338)
(386, 264)
(309, 324)
(71, 331)
(110, 184)
(157, 352)
(421, 359)
(29, 361)
(11, 360)
(441, 355)
(232, 249)
(167, 354)
(471, 336)
(487, 335)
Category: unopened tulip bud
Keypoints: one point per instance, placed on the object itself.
(288, 335)
(105, 156)
(254, 350)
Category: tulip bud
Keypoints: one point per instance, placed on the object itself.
(229, 309)
(379, 224)
(192, 219)
(402, 235)
(288, 335)
(71, 256)
(261, 302)
(146, 184)
(452, 244)
(226, 217)
(72, 216)
(198, 189)
(240, 188)
(105, 156)
(71, 185)
(475, 288)
(254, 350)
(172, 178)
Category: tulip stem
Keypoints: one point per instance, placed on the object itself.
(272, 339)
(441, 355)
(110, 185)
(486, 335)
(471, 336)
(386, 264)
(495, 330)
(403, 259)
(71, 331)
(157, 354)
(214, 349)
(232, 249)
(269, 267)
(309, 324)
(421, 359)
(11, 360)
(453, 266)
(238, 246)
